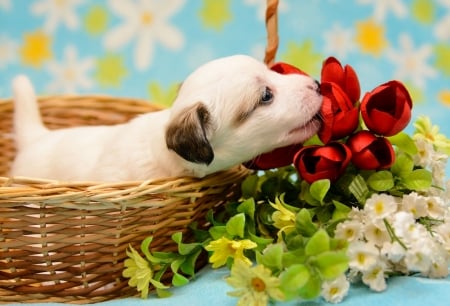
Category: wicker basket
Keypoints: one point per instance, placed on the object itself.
(66, 241)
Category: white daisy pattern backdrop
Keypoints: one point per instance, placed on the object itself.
(145, 48)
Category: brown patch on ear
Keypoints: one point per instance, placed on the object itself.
(186, 134)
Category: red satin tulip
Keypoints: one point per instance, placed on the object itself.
(277, 158)
(340, 115)
(386, 110)
(370, 152)
(345, 77)
(322, 162)
(285, 68)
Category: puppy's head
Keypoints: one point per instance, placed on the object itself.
(235, 108)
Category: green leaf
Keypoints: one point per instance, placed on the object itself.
(145, 247)
(260, 241)
(271, 257)
(419, 179)
(249, 186)
(161, 293)
(312, 288)
(293, 257)
(358, 189)
(319, 243)
(331, 264)
(305, 194)
(235, 225)
(304, 224)
(294, 278)
(403, 165)
(404, 142)
(184, 248)
(319, 189)
(179, 280)
(175, 265)
(188, 266)
(341, 210)
(177, 237)
(247, 207)
(381, 181)
(217, 232)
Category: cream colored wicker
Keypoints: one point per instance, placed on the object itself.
(66, 241)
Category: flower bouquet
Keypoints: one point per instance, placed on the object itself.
(359, 202)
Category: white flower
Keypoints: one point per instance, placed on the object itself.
(380, 206)
(262, 4)
(376, 233)
(438, 170)
(412, 61)
(418, 257)
(442, 27)
(350, 230)
(335, 290)
(415, 204)
(362, 256)
(404, 225)
(393, 251)
(8, 51)
(443, 232)
(339, 41)
(71, 72)
(439, 266)
(5, 5)
(382, 7)
(374, 278)
(148, 22)
(57, 11)
(425, 152)
(435, 206)
(357, 215)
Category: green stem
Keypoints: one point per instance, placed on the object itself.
(393, 235)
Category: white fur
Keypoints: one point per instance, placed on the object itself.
(138, 150)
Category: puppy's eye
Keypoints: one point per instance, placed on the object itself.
(267, 96)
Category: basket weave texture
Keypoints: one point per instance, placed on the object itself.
(66, 241)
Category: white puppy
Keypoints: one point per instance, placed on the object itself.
(226, 112)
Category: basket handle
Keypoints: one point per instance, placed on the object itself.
(272, 32)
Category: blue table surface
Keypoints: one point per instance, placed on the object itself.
(209, 288)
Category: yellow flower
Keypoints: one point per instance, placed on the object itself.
(96, 20)
(255, 285)
(36, 48)
(215, 14)
(140, 273)
(370, 37)
(429, 132)
(284, 219)
(223, 248)
(111, 70)
(444, 97)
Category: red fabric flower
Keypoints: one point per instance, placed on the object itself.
(370, 152)
(322, 162)
(285, 68)
(340, 115)
(277, 158)
(345, 77)
(386, 110)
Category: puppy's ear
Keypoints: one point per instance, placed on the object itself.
(186, 134)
